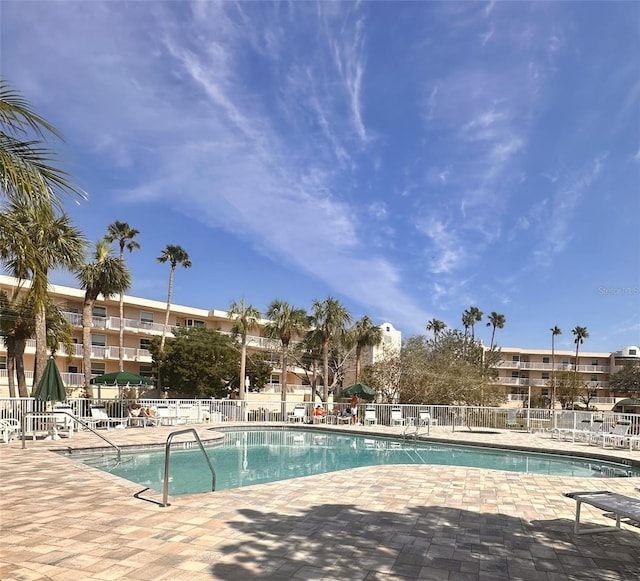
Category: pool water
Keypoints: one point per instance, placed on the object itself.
(247, 457)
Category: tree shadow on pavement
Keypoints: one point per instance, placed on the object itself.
(343, 542)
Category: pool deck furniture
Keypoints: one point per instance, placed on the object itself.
(9, 427)
(100, 417)
(611, 502)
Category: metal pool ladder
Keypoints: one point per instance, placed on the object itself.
(167, 451)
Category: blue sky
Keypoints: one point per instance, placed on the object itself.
(408, 158)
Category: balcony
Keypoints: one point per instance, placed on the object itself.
(512, 380)
(549, 366)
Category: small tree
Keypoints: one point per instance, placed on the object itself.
(627, 380)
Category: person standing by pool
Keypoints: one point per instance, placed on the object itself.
(354, 408)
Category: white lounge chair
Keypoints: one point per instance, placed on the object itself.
(618, 504)
(370, 415)
(99, 414)
(65, 418)
(616, 437)
(396, 417)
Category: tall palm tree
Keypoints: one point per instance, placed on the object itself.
(285, 322)
(580, 334)
(366, 334)
(16, 326)
(467, 321)
(245, 319)
(27, 171)
(33, 241)
(174, 255)
(496, 321)
(124, 234)
(436, 327)
(105, 275)
(555, 331)
(330, 319)
(475, 316)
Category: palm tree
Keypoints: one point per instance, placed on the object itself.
(467, 321)
(285, 321)
(16, 326)
(366, 334)
(174, 255)
(124, 234)
(436, 326)
(497, 321)
(245, 319)
(475, 316)
(33, 241)
(26, 170)
(555, 331)
(106, 275)
(330, 319)
(580, 334)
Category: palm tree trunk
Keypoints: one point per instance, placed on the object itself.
(283, 383)
(553, 371)
(41, 344)
(243, 364)
(121, 334)
(493, 332)
(19, 363)
(325, 371)
(11, 365)
(358, 354)
(87, 312)
(166, 315)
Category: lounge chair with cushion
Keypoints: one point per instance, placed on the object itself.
(99, 414)
(618, 504)
(65, 418)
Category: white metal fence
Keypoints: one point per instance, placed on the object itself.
(224, 410)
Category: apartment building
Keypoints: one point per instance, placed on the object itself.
(144, 320)
(528, 372)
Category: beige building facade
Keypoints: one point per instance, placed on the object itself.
(143, 321)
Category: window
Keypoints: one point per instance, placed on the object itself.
(594, 378)
(3, 361)
(194, 323)
(146, 370)
(144, 343)
(98, 340)
(545, 392)
(97, 368)
(72, 369)
(565, 361)
(99, 312)
(633, 351)
(516, 358)
(545, 375)
(594, 362)
(545, 360)
(388, 329)
(146, 317)
(515, 374)
(275, 379)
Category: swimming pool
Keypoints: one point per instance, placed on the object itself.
(247, 457)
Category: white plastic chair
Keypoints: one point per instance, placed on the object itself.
(9, 427)
(396, 417)
(99, 414)
(370, 415)
(299, 414)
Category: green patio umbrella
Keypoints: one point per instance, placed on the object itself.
(361, 390)
(50, 387)
(122, 378)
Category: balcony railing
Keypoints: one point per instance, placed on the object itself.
(549, 366)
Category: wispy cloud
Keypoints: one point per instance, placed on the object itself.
(554, 233)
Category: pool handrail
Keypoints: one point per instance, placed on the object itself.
(74, 418)
(167, 454)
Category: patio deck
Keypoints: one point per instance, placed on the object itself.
(62, 521)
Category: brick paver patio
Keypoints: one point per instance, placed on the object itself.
(63, 521)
